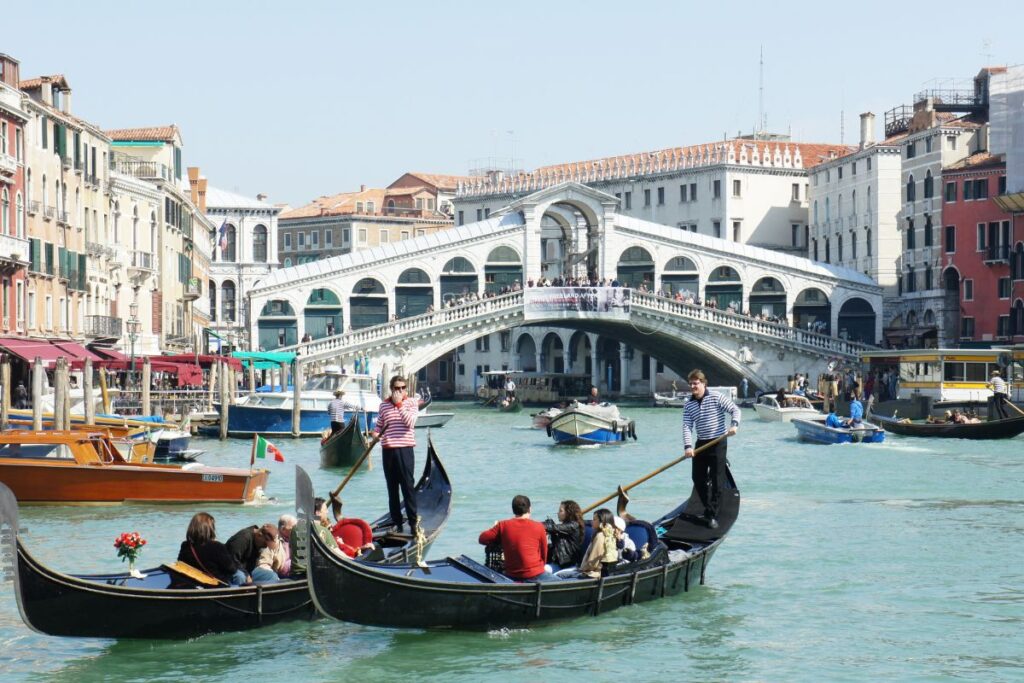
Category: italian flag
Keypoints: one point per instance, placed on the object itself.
(261, 448)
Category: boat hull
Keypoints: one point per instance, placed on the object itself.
(245, 421)
(433, 420)
(574, 427)
(771, 414)
(344, 448)
(815, 431)
(997, 429)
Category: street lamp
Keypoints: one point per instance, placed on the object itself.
(133, 330)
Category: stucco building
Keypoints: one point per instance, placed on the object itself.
(14, 246)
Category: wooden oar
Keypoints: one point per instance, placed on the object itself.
(656, 472)
(1011, 404)
(335, 499)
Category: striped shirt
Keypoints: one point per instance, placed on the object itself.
(336, 409)
(706, 417)
(998, 385)
(395, 425)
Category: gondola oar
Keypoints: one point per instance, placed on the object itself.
(335, 495)
(1011, 404)
(656, 472)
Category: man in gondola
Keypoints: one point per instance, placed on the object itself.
(336, 410)
(704, 420)
(396, 423)
(524, 542)
(1000, 396)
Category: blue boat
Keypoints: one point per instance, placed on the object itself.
(591, 424)
(814, 430)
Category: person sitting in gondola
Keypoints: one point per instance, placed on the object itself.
(271, 558)
(603, 553)
(523, 541)
(353, 536)
(567, 534)
(202, 550)
(285, 525)
(246, 544)
(856, 412)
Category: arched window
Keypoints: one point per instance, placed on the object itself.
(928, 187)
(46, 194)
(135, 229)
(853, 245)
(5, 204)
(288, 262)
(911, 189)
(828, 252)
(853, 200)
(868, 207)
(213, 300)
(227, 295)
(28, 185)
(229, 244)
(839, 207)
(259, 244)
(867, 241)
(839, 247)
(391, 206)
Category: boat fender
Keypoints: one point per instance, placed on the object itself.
(548, 427)
(632, 430)
(615, 427)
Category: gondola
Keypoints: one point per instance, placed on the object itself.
(996, 429)
(509, 405)
(342, 449)
(116, 605)
(462, 593)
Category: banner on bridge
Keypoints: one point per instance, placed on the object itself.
(544, 303)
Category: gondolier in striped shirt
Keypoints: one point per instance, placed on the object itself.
(336, 411)
(396, 423)
(1000, 396)
(704, 419)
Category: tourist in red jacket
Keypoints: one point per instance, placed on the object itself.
(523, 541)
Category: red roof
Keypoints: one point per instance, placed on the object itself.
(152, 134)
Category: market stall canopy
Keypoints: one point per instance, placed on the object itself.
(265, 360)
(49, 350)
(203, 361)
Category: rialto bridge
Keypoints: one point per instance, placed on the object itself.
(407, 303)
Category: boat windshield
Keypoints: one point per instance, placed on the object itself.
(331, 381)
(268, 401)
(35, 451)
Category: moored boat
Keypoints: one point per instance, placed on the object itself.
(462, 593)
(426, 419)
(506, 405)
(816, 431)
(78, 466)
(769, 409)
(591, 424)
(674, 400)
(996, 429)
(342, 449)
(117, 605)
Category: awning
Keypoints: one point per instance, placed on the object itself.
(49, 350)
(265, 360)
(204, 361)
(108, 354)
(187, 375)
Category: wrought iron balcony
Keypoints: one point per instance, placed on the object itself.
(33, 208)
(14, 249)
(102, 326)
(49, 212)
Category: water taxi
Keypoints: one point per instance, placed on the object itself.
(950, 375)
(591, 424)
(769, 409)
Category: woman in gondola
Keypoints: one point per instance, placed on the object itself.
(567, 534)
(603, 553)
(202, 550)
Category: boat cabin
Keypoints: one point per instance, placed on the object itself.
(535, 387)
(954, 375)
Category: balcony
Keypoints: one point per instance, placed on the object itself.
(97, 250)
(14, 250)
(150, 170)
(67, 162)
(63, 218)
(8, 165)
(33, 208)
(102, 326)
(141, 265)
(997, 254)
(193, 290)
(49, 212)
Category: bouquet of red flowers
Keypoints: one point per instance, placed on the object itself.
(129, 545)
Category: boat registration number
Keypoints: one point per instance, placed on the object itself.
(215, 478)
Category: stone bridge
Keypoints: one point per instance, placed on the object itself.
(405, 304)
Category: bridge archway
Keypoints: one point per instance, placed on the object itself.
(526, 351)
(458, 278)
(278, 325)
(580, 361)
(368, 305)
(724, 288)
(503, 270)
(681, 275)
(768, 298)
(856, 321)
(322, 316)
(635, 268)
(812, 311)
(552, 353)
(414, 293)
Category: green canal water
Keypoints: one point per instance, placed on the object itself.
(898, 561)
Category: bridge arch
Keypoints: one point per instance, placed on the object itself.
(681, 274)
(768, 298)
(812, 310)
(724, 287)
(414, 293)
(503, 270)
(580, 351)
(459, 277)
(552, 353)
(368, 304)
(323, 315)
(856, 321)
(277, 324)
(635, 267)
(526, 352)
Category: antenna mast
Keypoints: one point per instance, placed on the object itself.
(760, 97)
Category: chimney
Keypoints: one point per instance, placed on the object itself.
(65, 101)
(362, 188)
(261, 197)
(46, 92)
(867, 129)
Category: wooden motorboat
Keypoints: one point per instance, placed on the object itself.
(462, 593)
(343, 449)
(169, 439)
(591, 424)
(78, 466)
(996, 429)
(769, 409)
(542, 420)
(816, 431)
(117, 605)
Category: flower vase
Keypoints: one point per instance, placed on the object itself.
(133, 572)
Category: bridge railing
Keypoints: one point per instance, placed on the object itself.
(346, 342)
(736, 321)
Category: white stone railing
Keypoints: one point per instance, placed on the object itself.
(792, 335)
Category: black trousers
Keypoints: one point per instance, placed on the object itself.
(997, 408)
(709, 475)
(398, 473)
(336, 427)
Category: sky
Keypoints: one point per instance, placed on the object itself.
(301, 99)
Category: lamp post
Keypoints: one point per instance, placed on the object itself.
(133, 330)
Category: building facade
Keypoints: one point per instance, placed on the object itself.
(14, 244)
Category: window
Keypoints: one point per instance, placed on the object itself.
(911, 189)
(487, 213)
(682, 193)
(661, 196)
(479, 215)
(950, 239)
(867, 240)
(735, 231)
(371, 207)
(1003, 326)
(981, 237)
(981, 188)
(794, 235)
(31, 310)
(968, 290)
(1004, 288)
(385, 236)
(951, 141)
(19, 216)
(928, 230)
(716, 228)
(716, 189)
(19, 304)
(928, 144)
(927, 277)
(796, 192)
(853, 168)
(950, 192)
(19, 144)
(483, 343)
(911, 280)
(911, 150)
(329, 237)
(359, 207)
(869, 163)
(288, 262)
(301, 239)
(840, 171)
(404, 235)
(736, 188)
(814, 249)
(839, 248)
(287, 240)
(693, 192)
(853, 245)
(968, 190)
(346, 235)
(828, 251)
(911, 237)
(462, 217)
(362, 235)
(314, 239)
(48, 313)
(259, 244)
(647, 197)
(1002, 184)
(629, 200)
(967, 328)
(928, 185)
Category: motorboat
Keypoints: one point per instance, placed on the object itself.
(542, 420)
(769, 409)
(814, 430)
(591, 424)
(426, 419)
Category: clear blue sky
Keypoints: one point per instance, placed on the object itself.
(300, 99)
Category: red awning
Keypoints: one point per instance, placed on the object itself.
(187, 375)
(49, 350)
(79, 351)
(204, 361)
(108, 354)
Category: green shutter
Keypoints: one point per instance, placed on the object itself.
(33, 254)
(62, 262)
(49, 258)
(45, 126)
(81, 272)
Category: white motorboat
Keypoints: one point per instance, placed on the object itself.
(794, 407)
(425, 419)
(591, 424)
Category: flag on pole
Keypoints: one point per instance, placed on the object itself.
(262, 448)
(222, 241)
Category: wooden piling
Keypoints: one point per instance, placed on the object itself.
(104, 392)
(147, 384)
(5, 401)
(60, 389)
(38, 373)
(252, 378)
(213, 386)
(90, 405)
(297, 399)
(225, 405)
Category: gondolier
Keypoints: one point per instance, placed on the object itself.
(703, 421)
(396, 422)
(1000, 396)
(336, 410)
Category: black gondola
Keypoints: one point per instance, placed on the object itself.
(996, 429)
(461, 593)
(119, 606)
(342, 449)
